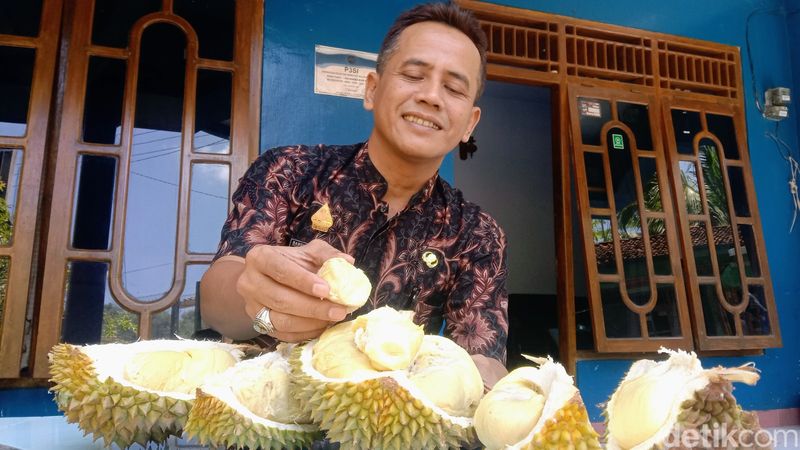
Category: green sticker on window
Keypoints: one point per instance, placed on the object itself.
(617, 141)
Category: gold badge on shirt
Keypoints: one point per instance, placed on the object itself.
(430, 259)
(322, 219)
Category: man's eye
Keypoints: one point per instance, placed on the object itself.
(454, 90)
(412, 76)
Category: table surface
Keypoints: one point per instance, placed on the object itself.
(53, 432)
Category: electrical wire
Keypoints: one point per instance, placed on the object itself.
(794, 171)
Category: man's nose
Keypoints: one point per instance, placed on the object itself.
(430, 92)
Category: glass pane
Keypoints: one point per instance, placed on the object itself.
(722, 128)
(213, 112)
(747, 243)
(593, 113)
(634, 260)
(650, 187)
(713, 183)
(595, 180)
(183, 318)
(10, 173)
(20, 18)
(208, 206)
(102, 111)
(604, 244)
(691, 187)
(663, 320)
(152, 203)
(638, 119)
(114, 19)
(702, 256)
(718, 321)
(620, 321)
(92, 212)
(5, 266)
(659, 246)
(755, 318)
(91, 316)
(685, 125)
(15, 89)
(738, 191)
(213, 21)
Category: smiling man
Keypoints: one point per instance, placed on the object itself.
(380, 204)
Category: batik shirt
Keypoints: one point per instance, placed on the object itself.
(441, 256)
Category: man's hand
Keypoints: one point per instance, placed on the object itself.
(284, 280)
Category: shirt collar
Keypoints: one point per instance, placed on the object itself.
(374, 183)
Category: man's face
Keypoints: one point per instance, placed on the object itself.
(423, 102)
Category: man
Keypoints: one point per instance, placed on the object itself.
(421, 244)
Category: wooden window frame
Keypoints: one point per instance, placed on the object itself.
(32, 145)
(248, 41)
(592, 54)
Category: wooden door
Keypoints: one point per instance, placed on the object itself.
(158, 122)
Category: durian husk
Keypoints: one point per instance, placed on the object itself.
(559, 422)
(90, 389)
(219, 418)
(685, 398)
(374, 409)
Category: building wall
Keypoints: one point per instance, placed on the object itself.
(293, 114)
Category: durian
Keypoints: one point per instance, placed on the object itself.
(250, 405)
(345, 385)
(134, 393)
(658, 402)
(349, 285)
(535, 408)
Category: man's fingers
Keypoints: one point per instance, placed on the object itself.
(262, 290)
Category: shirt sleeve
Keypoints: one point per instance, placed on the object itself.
(477, 309)
(260, 205)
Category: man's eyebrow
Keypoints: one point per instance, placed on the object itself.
(418, 62)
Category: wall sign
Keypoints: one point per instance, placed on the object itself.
(342, 72)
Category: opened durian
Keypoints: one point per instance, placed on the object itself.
(535, 408)
(658, 401)
(378, 383)
(349, 285)
(250, 405)
(134, 393)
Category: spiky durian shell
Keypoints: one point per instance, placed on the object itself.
(374, 412)
(113, 411)
(568, 428)
(219, 418)
(705, 404)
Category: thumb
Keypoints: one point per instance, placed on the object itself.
(320, 251)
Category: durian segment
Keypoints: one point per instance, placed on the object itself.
(447, 376)
(388, 337)
(382, 410)
(337, 355)
(349, 285)
(250, 405)
(91, 388)
(535, 408)
(657, 400)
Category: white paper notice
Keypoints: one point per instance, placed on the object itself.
(342, 72)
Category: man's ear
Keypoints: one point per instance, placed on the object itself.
(475, 117)
(369, 90)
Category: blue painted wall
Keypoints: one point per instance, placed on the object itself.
(293, 113)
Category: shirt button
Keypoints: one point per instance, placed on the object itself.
(384, 208)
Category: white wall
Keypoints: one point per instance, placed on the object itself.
(511, 177)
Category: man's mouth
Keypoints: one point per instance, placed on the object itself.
(420, 121)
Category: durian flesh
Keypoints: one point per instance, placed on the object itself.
(134, 393)
(427, 404)
(657, 401)
(250, 405)
(535, 408)
(349, 285)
